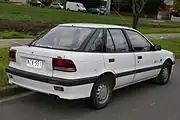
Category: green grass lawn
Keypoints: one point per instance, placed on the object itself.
(3, 65)
(169, 44)
(12, 34)
(35, 15)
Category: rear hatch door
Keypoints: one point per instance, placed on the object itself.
(35, 60)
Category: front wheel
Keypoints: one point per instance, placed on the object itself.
(164, 75)
(101, 92)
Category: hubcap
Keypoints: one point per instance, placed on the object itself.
(102, 93)
(165, 74)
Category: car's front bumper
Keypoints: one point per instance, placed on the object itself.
(64, 89)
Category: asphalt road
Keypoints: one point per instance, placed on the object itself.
(142, 101)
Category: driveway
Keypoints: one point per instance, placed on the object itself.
(142, 101)
(13, 42)
(163, 36)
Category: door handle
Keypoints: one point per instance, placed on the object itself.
(111, 60)
(139, 57)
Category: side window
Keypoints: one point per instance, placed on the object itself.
(95, 44)
(109, 43)
(119, 39)
(139, 43)
(77, 5)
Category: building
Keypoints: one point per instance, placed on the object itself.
(166, 12)
(169, 2)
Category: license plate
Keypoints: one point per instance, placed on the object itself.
(34, 63)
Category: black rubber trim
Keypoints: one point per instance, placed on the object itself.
(137, 71)
(51, 80)
(69, 82)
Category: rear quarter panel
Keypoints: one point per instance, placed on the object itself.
(87, 65)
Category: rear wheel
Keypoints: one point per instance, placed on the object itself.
(101, 92)
(164, 75)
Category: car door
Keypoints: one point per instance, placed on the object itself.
(118, 58)
(148, 61)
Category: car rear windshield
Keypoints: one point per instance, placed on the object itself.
(65, 38)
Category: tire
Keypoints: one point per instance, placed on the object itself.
(102, 92)
(164, 75)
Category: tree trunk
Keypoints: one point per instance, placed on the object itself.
(108, 7)
(135, 21)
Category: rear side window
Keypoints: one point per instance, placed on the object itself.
(66, 38)
(109, 43)
(95, 44)
(119, 39)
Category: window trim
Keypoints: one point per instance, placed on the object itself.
(83, 47)
(141, 36)
(129, 47)
(108, 30)
(85, 43)
(112, 41)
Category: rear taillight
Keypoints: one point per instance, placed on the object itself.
(12, 55)
(63, 65)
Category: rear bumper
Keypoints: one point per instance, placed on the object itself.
(51, 80)
(70, 89)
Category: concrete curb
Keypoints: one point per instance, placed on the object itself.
(11, 91)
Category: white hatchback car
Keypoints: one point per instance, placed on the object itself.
(76, 61)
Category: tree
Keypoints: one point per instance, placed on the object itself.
(177, 5)
(108, 7)
(137, 7)
(153, 6)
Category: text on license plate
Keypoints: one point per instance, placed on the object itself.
(34, 63)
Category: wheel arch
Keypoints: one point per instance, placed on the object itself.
(169, 60)
(109, 74)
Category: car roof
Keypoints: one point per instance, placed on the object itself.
(92, 25)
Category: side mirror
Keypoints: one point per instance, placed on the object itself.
(157, 47)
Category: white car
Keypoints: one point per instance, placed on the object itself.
(57, 5)
(76, 61)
